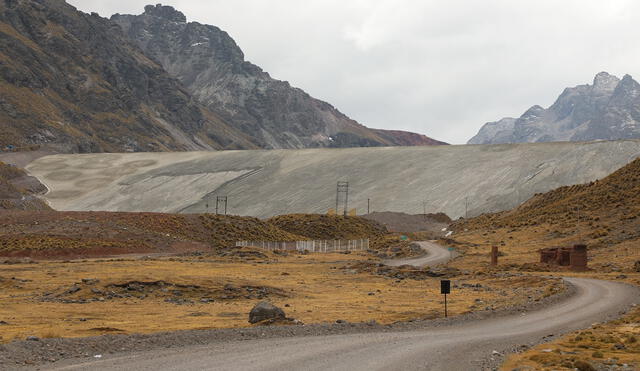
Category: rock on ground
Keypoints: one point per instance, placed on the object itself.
(265, 311)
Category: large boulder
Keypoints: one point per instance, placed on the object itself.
(265, 311)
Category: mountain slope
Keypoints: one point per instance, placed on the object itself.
(603, 213)
(212, 67)
(18, 191)
(609, 109)
(72, 81)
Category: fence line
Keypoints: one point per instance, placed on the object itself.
(312, 246)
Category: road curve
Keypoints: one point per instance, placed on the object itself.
(435, 255)
(455, 346)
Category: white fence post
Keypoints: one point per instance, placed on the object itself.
(325, 246)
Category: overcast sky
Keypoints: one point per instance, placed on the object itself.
(441, 68)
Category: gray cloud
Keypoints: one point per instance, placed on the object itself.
(442, 68)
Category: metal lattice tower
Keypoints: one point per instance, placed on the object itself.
(221, 200)
(342, 188)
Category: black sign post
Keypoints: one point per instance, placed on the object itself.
(445, 288)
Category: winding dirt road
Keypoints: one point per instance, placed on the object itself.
(435, 255)
(454, 346)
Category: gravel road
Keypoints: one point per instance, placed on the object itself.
(456, 345)
(459, 346)
(435, 255)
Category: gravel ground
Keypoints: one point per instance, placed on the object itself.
(42, 352)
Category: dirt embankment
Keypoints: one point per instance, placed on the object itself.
(52, 234)
(408, 223)
(70, 235)
(19, 191)
(331, 227)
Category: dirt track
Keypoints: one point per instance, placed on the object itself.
(435, 255)
(467, 346)
(456, 345)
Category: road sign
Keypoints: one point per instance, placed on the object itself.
(445, 288)
(403, 238)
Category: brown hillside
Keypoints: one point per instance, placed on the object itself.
(607, 210)
(407, 223)
(331, 227)
(317, 226)
(54, 234)
(604, 214)
(19, 191)
(73, 82)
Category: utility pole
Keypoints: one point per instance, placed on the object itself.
(221, 200)
(578, 225)
(466, 207)
(342, 187)
(346, 201)
(368, 205)
(424, 209)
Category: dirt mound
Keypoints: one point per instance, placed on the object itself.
(52, 234)
(19, 191)
(407, 223)
(328, 227)
(403, 272)
(90, 290)
(332, 227)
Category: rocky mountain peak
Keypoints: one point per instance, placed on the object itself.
(534, 111)
(607, 110)
(627, 88)
(209, 63)
(605, 81)
(164, 11)
(72, 82)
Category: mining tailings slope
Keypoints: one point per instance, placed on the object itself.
(263, 183)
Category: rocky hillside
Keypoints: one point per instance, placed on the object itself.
(18, 191)
(73, 82)
(318, 226)
(608, 109)
(602, 213)
(212, 67)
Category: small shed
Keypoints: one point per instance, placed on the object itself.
(574, 257)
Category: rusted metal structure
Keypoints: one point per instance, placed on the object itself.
(494, 256)
(574, 257)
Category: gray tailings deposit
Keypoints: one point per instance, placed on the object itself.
(270, 182)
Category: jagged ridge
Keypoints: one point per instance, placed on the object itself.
(212, 67)
(73, 81)
(609, 109)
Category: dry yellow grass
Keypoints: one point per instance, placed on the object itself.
(522, 247)
(614, 343)
(595, 347)
(317, 289)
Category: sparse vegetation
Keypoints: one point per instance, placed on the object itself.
(602, 214)
(146, 295)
